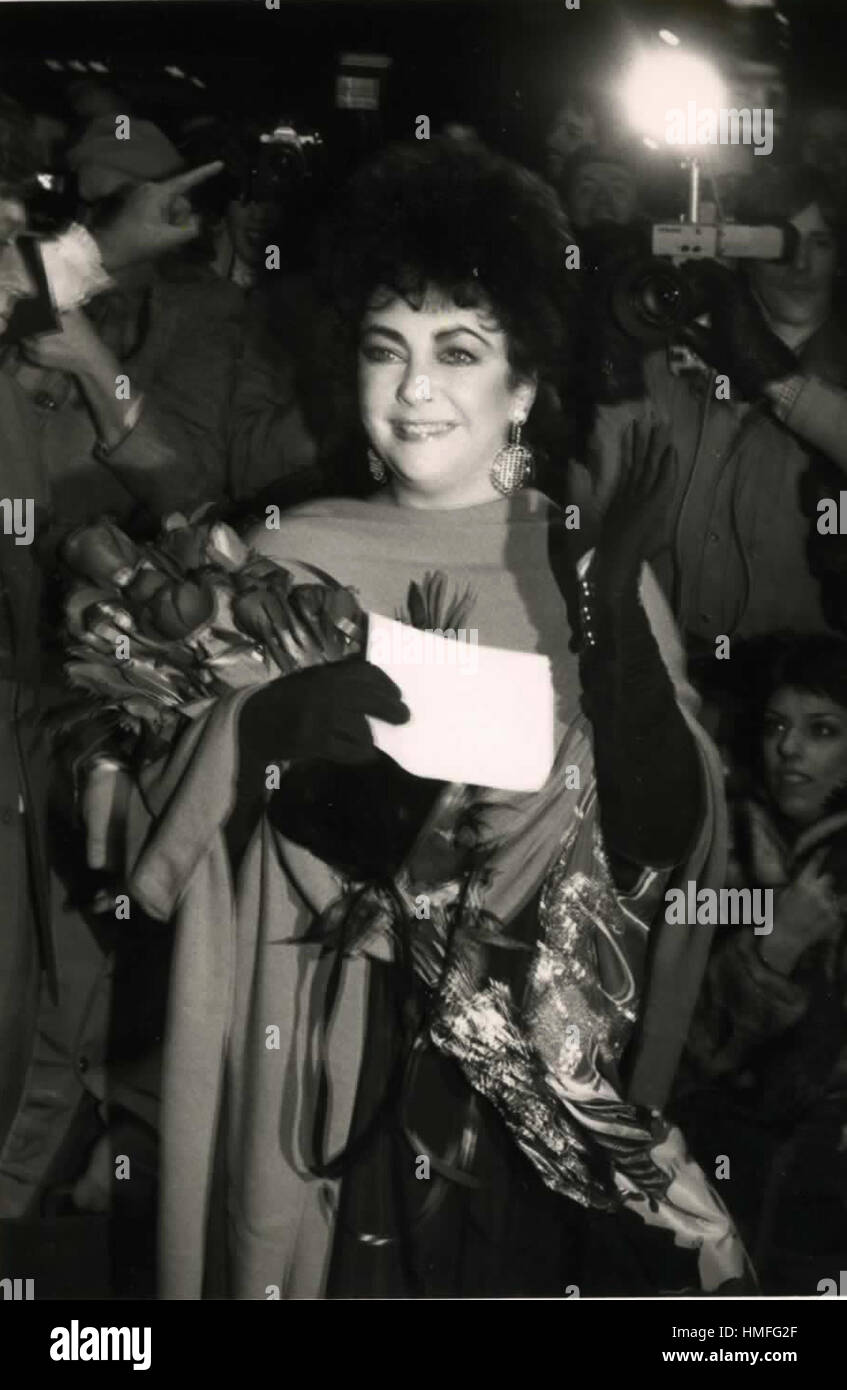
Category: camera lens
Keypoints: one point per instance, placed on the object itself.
(651, 300)
(660, 302)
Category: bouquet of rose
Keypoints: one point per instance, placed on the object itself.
(156, 632)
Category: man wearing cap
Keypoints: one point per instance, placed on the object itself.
(155, 219)
(128, 401)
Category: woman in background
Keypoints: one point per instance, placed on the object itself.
(765, 1081)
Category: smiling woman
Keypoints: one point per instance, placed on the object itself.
(428, 234)
(438, 449)
(419, 1104)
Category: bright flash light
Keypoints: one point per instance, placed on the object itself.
(669, 37)
(663, 83)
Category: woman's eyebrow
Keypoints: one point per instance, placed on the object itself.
(386, 332)
(444, 333)
(462, 328)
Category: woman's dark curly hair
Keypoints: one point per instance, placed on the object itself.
(468, 223)
(816, 662)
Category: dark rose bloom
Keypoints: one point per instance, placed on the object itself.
(186, 545)
(332, 619)
(300, 626)
(176, 610)
(78, 606)
(101, 552)
(260, 571)
(146, 583)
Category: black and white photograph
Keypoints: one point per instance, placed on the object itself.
(423, 665)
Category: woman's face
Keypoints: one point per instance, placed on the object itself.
(805, 752)
(436, 396)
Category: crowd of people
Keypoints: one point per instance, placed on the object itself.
(410, 374)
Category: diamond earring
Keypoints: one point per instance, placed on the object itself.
(376, 467)
(511, 467)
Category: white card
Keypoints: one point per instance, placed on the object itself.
(479, 714)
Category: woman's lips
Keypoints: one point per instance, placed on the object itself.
(794, 779)
(410, 431)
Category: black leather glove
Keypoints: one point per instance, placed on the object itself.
(648, 470)
(739, 342)
(648, 778)
(320, 713)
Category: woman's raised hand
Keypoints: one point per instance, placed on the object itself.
(631, 520)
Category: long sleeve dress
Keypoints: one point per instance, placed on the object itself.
(278, 1045)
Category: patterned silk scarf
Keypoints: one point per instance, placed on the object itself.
(542, 1044)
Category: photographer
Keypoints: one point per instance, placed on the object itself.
(128, 399)
(574, 126)
(601, 186)
(748, 416)
(155, 219)
(281, 433)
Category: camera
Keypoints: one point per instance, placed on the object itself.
(33, 313)
(268, 163)
(280, 162)
(50, 199)
(653, 297)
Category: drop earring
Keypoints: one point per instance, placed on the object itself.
(511, 467)
(376, 467)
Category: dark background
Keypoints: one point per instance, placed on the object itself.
(499, 66)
